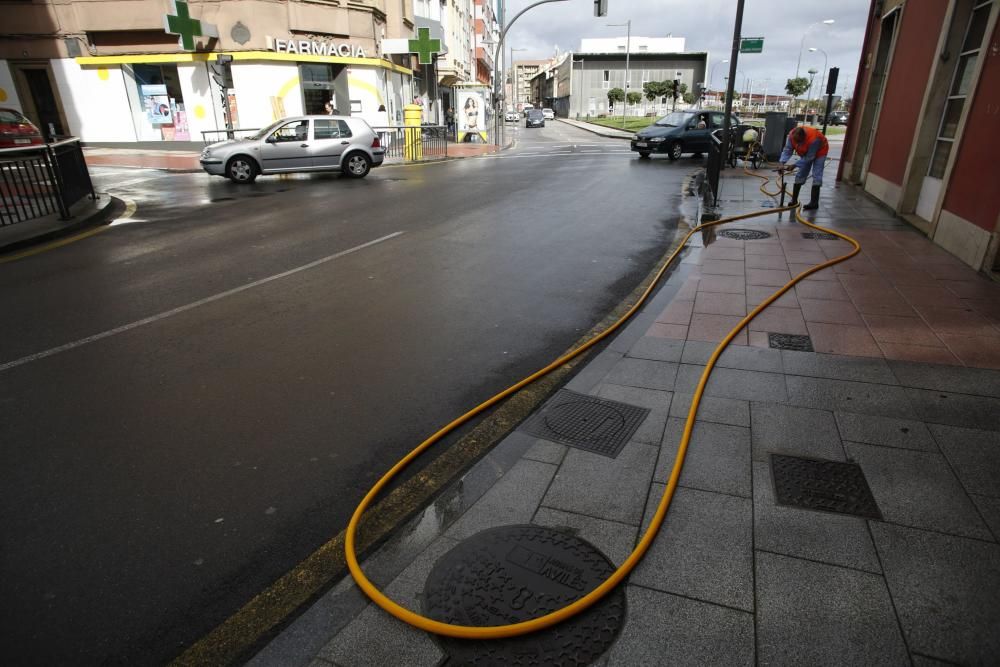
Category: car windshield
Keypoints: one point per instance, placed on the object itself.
(673, 119)
(534, 113)
(11, 116)
(263, 133)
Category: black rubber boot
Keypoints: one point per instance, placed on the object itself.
(813, 199)
(795, 194)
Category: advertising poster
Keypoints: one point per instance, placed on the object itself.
(156, 103)
(471, 116)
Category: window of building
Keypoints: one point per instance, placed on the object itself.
(157, 103)
(960, 88)
(606, 83)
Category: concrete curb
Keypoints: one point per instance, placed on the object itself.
(595, 129)
(105, 212)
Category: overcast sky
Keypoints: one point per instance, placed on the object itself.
(707, 25)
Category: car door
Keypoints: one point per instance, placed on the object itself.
(287, 148)
(331, 137)
(696, 138)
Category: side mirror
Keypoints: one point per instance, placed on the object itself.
(271, 140)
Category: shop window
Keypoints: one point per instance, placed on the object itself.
(159, 112)
(317, 82)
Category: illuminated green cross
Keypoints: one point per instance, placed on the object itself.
(182, 24)
(424, 46)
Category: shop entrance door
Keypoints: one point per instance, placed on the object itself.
(319, 83)
(38, 97)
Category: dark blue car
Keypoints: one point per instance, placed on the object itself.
(679, 132)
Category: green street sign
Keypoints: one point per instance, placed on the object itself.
(752, 45)
(424, 46)
(181, 23)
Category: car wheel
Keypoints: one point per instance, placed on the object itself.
(357, 165)
(241, 169)
(675, 151)
(644, 155)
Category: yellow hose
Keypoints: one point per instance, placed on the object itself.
(535, 624)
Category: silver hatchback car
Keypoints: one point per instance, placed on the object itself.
(301, 143)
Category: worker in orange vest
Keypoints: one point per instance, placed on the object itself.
(811, 147)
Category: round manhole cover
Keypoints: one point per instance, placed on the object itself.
(584, 421)
(744, 234)
(516, 573)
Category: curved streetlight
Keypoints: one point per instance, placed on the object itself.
(711, 73)
(628, 41)
(813, 49)
(802, 44)
(496, 60)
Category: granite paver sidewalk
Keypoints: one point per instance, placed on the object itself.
(902, 381)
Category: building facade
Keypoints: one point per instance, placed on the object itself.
(523, 73)
(922, 133)
(588, 76)
(108, 71)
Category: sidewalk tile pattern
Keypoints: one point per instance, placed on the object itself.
(733, 578)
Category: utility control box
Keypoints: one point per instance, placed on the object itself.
(777, 125)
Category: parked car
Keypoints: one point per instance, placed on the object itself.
(534, 118)
(679, 132)
(549, 114)
(511, 116)
(526, 108)
(16, 130)
(302, 143)
(837, 118)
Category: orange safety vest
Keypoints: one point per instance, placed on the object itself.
(812, 134)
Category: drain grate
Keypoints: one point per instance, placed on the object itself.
(516, 573)
(819, 236)
(790, 342)
(744, 234)
(587, 422)
(827, 486)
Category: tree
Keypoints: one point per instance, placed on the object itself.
(634, 98)
(616, 95)
(655, 90)
(689, 97)
(797, 86)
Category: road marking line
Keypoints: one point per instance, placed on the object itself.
(130, 207)
(53, 245)
(195, 304)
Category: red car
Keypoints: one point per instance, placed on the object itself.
(16, 130)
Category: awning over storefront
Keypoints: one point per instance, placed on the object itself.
(155, 58)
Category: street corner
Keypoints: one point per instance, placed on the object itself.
(87, 218)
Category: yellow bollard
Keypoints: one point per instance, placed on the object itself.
(413, 114)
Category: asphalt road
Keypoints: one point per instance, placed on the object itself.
(194, 400)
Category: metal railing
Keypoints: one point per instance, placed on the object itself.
(42, 180)
(213, 136)
(413, 144)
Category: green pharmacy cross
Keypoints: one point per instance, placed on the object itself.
(181, 23)
(424, 46)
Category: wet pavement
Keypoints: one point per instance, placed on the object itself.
(205, 390)
(740, 574)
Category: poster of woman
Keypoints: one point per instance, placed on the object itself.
(471, 116)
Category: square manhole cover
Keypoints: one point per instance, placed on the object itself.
(819, 236)
(587, 422)
(827, 486)
(790, 342)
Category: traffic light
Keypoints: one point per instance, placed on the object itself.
(677, 88)
(600, 7)
(222, 71)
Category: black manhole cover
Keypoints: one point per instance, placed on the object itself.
(516, 573)
(819, 236)
(587, 422)
(790, 342)
(828, 486)
(744, 234)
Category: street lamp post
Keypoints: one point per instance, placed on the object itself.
(802, 44)
(628, 41)
(711, 74)
(822, 81)
(498, 51)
